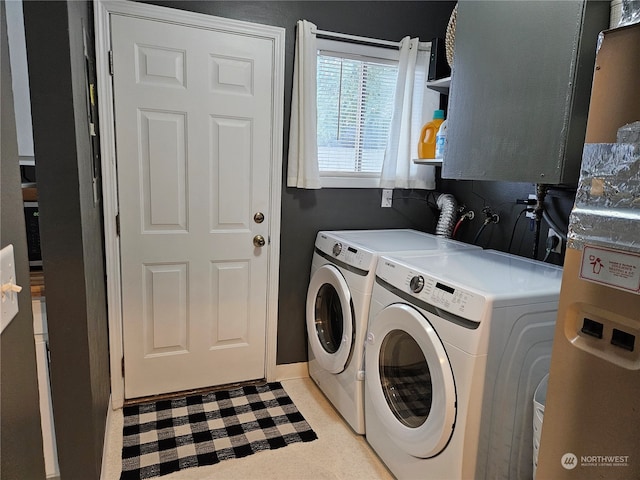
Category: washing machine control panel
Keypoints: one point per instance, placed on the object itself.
(345, 253)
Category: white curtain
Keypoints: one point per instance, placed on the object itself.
(302, 167)
(414, 106)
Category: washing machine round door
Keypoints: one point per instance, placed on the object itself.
(330, 319)
(410, 381)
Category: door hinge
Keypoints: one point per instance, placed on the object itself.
(122, 366)
(118, 225)
(111, 62)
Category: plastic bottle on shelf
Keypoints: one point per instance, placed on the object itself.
(441, 140)
(427, 143)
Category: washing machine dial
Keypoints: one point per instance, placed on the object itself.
(417, 284)
(337, 248)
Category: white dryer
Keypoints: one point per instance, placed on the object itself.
(456, 346)
(337, 309)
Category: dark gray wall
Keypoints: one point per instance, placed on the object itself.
(305, 212)
(71, 232)
(21, 454)
(501, 198)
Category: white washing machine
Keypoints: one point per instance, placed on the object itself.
(456, 346)
(337, 310)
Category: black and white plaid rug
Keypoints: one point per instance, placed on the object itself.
(169, 435)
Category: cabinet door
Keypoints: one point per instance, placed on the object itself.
(520, 89)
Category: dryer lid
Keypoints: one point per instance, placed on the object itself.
(502, 278)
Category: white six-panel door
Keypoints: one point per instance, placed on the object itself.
(193, 129)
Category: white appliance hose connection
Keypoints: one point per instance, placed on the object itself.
(448, 215)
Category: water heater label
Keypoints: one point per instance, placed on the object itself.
(611, 267)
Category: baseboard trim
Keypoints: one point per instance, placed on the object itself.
(289, 371)
(107, 436)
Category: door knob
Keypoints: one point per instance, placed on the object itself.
(259, 241)
(258, 217)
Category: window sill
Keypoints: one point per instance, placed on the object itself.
(350, 182)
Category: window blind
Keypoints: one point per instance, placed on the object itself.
(355, 105)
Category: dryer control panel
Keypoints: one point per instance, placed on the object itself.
(452, 299)
(431, 290)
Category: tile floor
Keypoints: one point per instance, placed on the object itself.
(337, 454)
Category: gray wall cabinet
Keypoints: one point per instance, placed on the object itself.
(520, 89)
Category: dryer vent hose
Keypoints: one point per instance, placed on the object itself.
(448, 213)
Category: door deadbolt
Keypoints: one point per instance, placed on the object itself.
(259, 241)
(258, 217)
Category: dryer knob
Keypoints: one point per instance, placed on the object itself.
(337, 248)
(417, 284)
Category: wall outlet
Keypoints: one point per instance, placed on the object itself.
(387, 198)
(552, 233)
(9, 300)
(532, 196)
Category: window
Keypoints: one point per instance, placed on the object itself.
(355, 92)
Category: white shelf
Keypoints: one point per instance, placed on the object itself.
(440, 85)
(436, 162)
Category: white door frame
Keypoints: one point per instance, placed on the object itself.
(102, 10)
